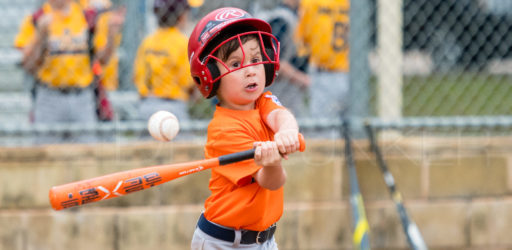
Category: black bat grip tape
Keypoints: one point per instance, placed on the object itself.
(236, 157)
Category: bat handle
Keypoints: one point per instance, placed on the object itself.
(302, 143)
(249, 154)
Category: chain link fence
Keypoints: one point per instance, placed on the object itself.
(411, 62)
(456, 58)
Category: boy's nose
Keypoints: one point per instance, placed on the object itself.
(250, 70)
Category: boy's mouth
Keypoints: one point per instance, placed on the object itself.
(251, 86)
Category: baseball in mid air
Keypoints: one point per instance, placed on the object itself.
(163, 125)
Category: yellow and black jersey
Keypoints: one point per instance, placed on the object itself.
(161, 67)
(323, 33)
(67, 59)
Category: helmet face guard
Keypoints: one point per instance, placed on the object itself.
(211, 34)
(269, 54)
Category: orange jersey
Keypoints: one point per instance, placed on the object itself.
(67, 49)
(161, 67)
(235, 201)
(323, 33)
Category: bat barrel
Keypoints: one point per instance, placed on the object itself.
(122, 183)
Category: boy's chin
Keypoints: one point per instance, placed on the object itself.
(247, 101)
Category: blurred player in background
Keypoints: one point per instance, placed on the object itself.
(110, 69)
(161, 69)
(292, 84)
(55, 42)
(105, 72)
(323, 32)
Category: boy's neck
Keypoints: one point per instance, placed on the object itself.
(232, 106)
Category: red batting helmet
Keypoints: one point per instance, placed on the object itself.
(216, 29)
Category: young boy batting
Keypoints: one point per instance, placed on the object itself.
(234, 57)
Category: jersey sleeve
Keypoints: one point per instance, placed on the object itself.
(268, 103)
(25, 34)
(101, 32)
(227, 141)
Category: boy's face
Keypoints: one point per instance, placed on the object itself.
(241, 88)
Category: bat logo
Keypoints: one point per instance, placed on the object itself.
(193, 170)
(113, 192)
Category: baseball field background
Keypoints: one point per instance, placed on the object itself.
(433, 77)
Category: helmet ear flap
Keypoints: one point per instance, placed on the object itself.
(214, 73)
(270, 68)
(214, 70)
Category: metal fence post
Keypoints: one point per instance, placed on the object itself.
(389, 54)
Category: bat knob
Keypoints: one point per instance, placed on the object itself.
(302, 143)
(53, 199)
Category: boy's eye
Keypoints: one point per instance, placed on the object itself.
(235, 64)
(256, 60)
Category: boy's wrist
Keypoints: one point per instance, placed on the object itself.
(273, 165)
(291, 130)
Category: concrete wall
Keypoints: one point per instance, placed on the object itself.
(458, 190)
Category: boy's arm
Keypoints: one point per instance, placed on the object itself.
(272, 176)
(268, 154)
(286, 130)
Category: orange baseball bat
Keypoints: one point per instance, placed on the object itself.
(126, 182)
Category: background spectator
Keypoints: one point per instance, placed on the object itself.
(323, 34)
(56, 49)
(161, 69)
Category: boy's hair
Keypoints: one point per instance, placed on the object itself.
(225, 51)
(168, 11)
(220, 33)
